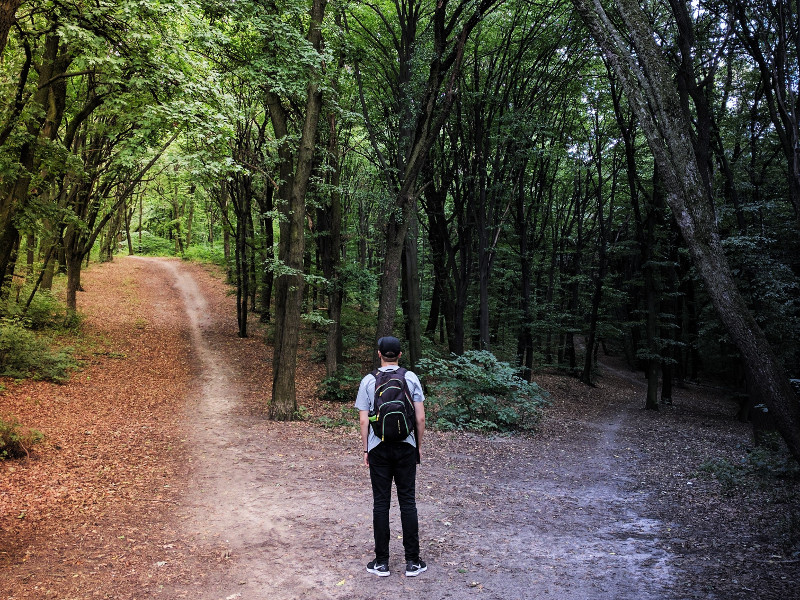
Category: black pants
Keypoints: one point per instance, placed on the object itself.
(398, 461)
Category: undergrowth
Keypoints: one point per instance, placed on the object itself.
(16, 440)
(761, 467)
(348, 416)
(24, 354)
(26, 350)
(476, 391)
(342, 386)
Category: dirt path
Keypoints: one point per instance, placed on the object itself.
(289, 505)
(162, 479)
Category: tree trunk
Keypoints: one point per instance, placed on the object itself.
(74, 261)
(266, 206)
(524, 338)
(392, 267)
(434, 313)
(283, 405)
(224, 201)
(411, 295)
(447, 276)
(8, 16)
(190, 216)
(30, 248)
(653, 360)
(242, 276)
(330, 246)
(177, 218)
(414, 139)
(128, 216)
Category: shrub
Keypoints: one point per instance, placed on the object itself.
(761, 466)
(342, 386)
(23, 354)
(726, 473)
(153, 245)
(45, 310)
(477, 392)
(205, 253)
(15, 440)
(773, 459)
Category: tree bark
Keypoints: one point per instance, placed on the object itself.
(8, 16)
(289, 294)
(392, 267)
(411, 295)
(329, 219)
(265, 202)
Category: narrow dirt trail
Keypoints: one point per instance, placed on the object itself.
(161, 478)
(288, 505)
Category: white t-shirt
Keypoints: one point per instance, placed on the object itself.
(366, 395)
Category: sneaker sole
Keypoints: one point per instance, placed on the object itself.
(379, 573)
(417, 572)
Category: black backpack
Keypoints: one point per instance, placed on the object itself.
(392, 417)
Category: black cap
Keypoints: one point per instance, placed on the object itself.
(389, 347)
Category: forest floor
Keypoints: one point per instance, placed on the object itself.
(161, 478)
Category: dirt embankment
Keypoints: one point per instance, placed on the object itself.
(181, 489)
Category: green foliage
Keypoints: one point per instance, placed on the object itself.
(44, 312)
(206, 253)
(316, 319)
(772, 460)
(760, 465)
(15, 440)
(360, 284)
(23, 355)
(341, 386)
(475, 391)
(302, 413)
(153, 245)
(728, 474)
(357, 328)
(348, 416)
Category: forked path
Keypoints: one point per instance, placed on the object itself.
(288, 507)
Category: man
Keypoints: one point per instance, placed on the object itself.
(392, 460)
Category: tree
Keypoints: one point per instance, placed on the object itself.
(627, 40)
(295, 164)
(770, 32)
(421, 54)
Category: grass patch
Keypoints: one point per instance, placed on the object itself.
(348, 416)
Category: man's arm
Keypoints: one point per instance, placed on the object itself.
(419, 412)
(363, 421)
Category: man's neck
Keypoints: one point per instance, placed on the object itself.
(389, 364)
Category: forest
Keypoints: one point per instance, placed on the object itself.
(550, 182)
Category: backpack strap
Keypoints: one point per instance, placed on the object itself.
(401, 371)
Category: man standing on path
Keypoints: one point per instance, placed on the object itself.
(389, 460)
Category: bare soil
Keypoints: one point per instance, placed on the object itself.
(161, 478)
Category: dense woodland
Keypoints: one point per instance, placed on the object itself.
(547, 181)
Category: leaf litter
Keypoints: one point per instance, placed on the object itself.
(146, 488)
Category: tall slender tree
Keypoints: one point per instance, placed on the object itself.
(295, 164)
